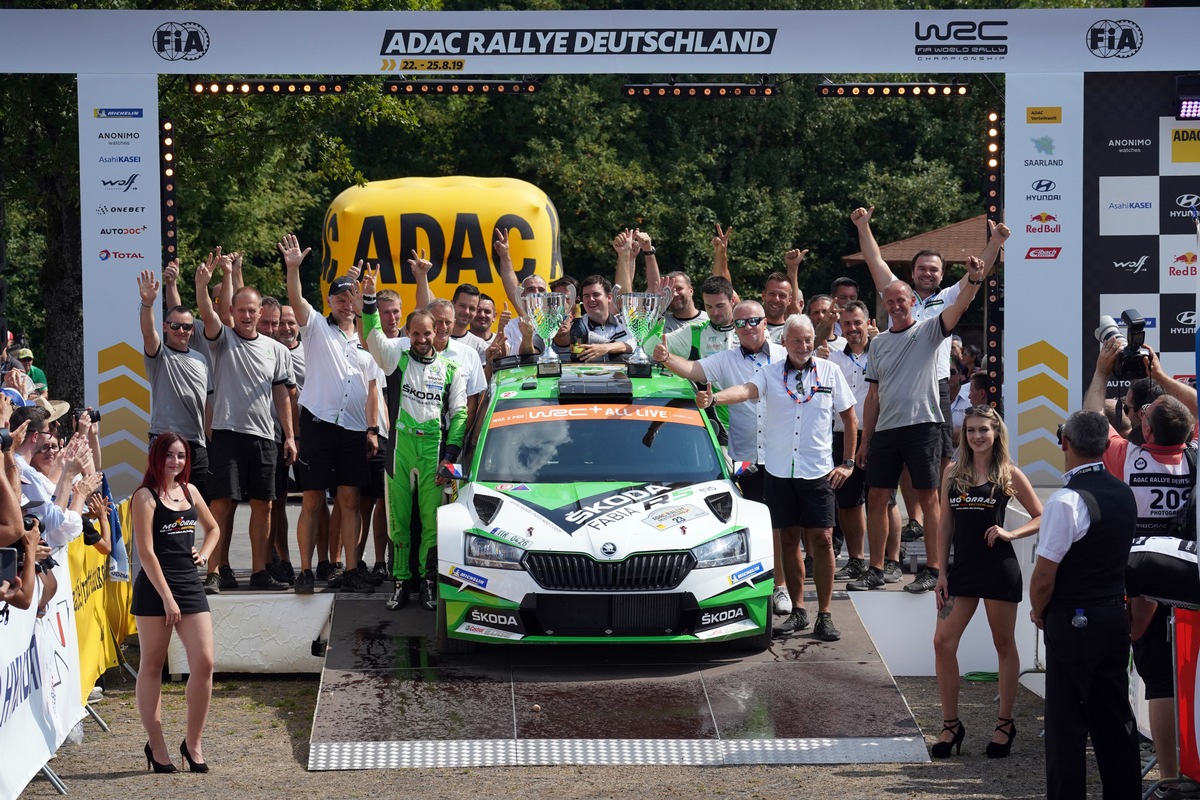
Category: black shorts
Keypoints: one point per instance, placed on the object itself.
(1162, 575)
(241, 466)
(754, 484)
(199, 466)
(332, 455)
(799, 501)
(947, 427)
(916, 446)
(1153, 659)
(852, 493)
(373, 488)
(281, 472)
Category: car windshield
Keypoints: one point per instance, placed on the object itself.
(650, 440)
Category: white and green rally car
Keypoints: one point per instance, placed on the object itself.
(599, 508)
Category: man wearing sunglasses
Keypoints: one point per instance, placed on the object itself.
(178, 374)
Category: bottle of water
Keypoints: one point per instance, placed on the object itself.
(1079, 620)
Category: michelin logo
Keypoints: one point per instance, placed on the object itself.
(468, 577)
(742, 575)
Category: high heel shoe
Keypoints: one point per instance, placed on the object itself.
(998, 750)
(942, 749)
(193, 766)
(150, 762)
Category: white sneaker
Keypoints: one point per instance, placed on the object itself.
(781, 600)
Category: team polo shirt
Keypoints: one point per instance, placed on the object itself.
(747, 421)
(706, 337)
(933, 306)
(799, 412)
(179, 385)
(341, 374)
(904, 366)
(245, 373)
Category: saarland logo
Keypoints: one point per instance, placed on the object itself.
(1043, 252)
(180, 41)
(1108, 38)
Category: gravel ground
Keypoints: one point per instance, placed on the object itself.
(257, 745)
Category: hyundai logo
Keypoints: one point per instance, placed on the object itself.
(1187, 200)
(1186, 318)
(608, 549)
(1043, 186)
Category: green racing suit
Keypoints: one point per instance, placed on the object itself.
(431, 390)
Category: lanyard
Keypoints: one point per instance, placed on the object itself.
(800, 382)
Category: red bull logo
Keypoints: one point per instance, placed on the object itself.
(1186, 258)
(1043, 218)
(1183, 266)
(1041, 223)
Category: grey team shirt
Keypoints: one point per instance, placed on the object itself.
(245, 372)
(904, 367)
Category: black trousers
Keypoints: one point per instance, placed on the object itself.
(1087, 692)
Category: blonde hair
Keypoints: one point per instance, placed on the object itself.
(962, 477)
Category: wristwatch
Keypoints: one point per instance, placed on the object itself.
(849, 462)
(974, 283)
(649, 252)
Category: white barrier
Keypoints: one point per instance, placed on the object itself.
(39, 685)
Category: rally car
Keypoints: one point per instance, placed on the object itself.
(599, 508)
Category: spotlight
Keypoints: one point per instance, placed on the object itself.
(459, 87)
(673, 89)
(321, 86)
(1187, 94)
(921, 90)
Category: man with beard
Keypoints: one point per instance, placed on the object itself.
(464, 303)
(485, 317)
(682, 311)
(902, 418)
(432, 390)
(801, 395)
(338, 417)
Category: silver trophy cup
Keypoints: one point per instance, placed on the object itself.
(547, 310)
(643, 311)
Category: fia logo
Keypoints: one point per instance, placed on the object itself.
(1120, 38)
(180, 41)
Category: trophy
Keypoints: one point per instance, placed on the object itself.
(644, 313)
(547, 310)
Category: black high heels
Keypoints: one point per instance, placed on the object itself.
(193, 766)
(942, 749)
(998, 750)
(150, 762)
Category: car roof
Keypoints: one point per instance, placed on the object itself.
(522, 382)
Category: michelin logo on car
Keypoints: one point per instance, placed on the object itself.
(742, 575)
(469, 577)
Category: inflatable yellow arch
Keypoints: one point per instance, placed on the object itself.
(453, 220)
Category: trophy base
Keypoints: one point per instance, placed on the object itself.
(638, 369)
(549, 369)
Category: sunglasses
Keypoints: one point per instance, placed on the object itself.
(1129, 409)
(175, 326)
(748, 322)
(47, 448)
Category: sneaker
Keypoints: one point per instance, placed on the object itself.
(336, 574)
(892, 571)
(379, 573)
(854, 568)
(796, 621)
(871, 579)
(212, 583)
(781, 601)
(912, 531)
(428, 597)
(824, 629)
(305, 581)
(265, 580)
(282, 571)
(356, 580)
(97, 694)
(323, 570)
(228, 581)
(399, 598)
(368, 575)
(924, 581)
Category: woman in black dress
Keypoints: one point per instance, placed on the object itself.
(976, 488)
(168, 595)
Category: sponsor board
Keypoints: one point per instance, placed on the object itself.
(1128, 205)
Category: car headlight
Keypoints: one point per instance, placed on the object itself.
(732, 548)
(484, 552)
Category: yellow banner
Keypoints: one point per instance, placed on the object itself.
(89, 576)
(119, 594)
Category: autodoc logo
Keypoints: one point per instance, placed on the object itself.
(120, 184)
(180, 41)
(123, 231)
(1043, 252)
(105, 255)
(1040, 223)
(1042, 191)
(1108, 38)
(962, 39)
(1132, 267)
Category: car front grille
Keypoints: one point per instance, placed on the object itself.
(571, 572)
(609, 615)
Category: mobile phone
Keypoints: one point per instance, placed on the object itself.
(703, 387)
(8, 563)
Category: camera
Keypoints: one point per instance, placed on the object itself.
(76, 413)
(1129, 364)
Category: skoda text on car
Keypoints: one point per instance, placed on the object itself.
(599, 508)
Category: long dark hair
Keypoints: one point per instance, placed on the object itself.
(156, 460)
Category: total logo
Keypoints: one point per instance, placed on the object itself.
(1182, 265)
(120, 184)
(1132, 267)
(180, 41)
(1109, 38)
(1042, 253)
(123, 231)
(1188, 203)
(105, 255)
(1043, 191)
(1040, 223)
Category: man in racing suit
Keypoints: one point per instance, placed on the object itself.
(431, 386)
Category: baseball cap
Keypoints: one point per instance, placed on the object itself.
(24, 353)
(342, 284)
